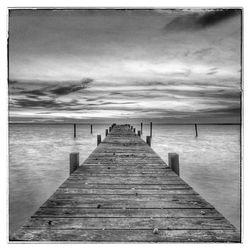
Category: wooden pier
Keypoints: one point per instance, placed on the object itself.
(124, 192)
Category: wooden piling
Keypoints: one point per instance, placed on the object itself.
(106, 132)
(139, 133)
(151, 133)
(73, 162)
(141, 127)
(196, 130)
(109, 129)
(74, 130)
(91, 129)
(134, 130)
(173, 162)
(99, 139)
(148, 140)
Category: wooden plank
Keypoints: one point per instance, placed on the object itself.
(124, 186)
(128, 235)
(113, 181)
(127, 213)
(130, 223)
(127, 197)
(77, 201)
(110, 191)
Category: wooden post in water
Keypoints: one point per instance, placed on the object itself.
(139, 133)
(173, 162)
(73, 162)
(109, 129)
(141, 127)
(74, 130)
(106, 132)
(134, 130)
(91, 129)
(99, 139)
(196, 130)
(151, 129)
(148, 140)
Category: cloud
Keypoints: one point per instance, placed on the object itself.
(65, 90)
(197, 21)
(49, 89)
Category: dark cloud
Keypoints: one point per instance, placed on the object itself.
(196, 21)
(26, 103)
(34, 93)
(43, 104)
(214, 17)
(65, 90)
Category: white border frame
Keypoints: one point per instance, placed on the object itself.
(5, 4)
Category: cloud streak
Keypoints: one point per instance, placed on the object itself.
(197, 21)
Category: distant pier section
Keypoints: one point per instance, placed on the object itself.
(124, 192)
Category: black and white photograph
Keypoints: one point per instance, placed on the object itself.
(125, 124)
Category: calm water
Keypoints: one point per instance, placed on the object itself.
(39, 162)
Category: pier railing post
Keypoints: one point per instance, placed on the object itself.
(73, 162)
(148, 140)
(173, 162)
(91, 129)
(141, 127)
(151, 132)
(74, 130)
(99, 139)
(196, 130)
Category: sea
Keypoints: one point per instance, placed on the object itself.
(39, 162)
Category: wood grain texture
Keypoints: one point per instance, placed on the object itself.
(121, 193)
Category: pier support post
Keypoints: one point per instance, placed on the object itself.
(99, 139)
(73, 162)
(148, 140)
(141, 127)
(134, 130)
(91, 129)
(74, 130)
(139, 133)
(196, 130)
(173, 162)
(107, 131)
(151, 125)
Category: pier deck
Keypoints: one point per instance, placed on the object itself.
(124, 192)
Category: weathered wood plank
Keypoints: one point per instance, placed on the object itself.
(110, 191)
(73, 212)
(124, 186)
(130, 223)
(128, 235)
(114, 180)
(127, 203)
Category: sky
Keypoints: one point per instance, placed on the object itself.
(161, 65)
